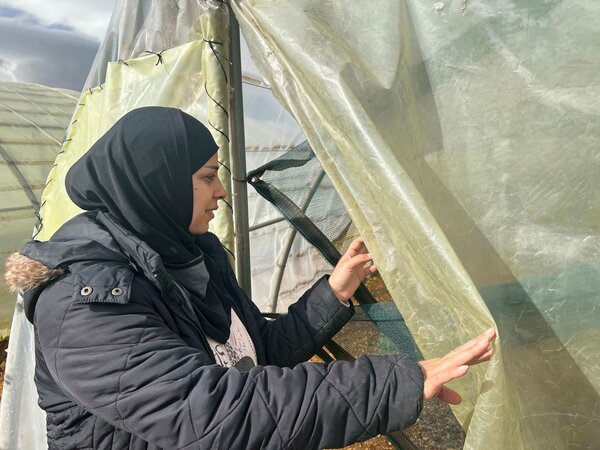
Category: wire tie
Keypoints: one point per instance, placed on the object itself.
(216, 52)
(218, 104)
(159, 55)
(212, 42)
(223, 165)
(210, 45)
(224, 135)
(230, 252)
(227, 203)
(39, 225)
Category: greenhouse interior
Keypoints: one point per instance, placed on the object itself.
(459, 139)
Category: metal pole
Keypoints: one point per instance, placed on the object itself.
(258, 226)
(237, 146)
(287, 246)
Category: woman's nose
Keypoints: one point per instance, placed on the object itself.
(220, 192)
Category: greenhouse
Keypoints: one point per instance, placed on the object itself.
(458, 138)
(33, 122)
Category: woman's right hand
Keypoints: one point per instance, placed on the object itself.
(455, 364)
(350, 270)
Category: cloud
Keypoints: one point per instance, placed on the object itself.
(6, 71)
(50, 56)
(87, 17)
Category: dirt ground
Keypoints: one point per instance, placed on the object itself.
(436, 429)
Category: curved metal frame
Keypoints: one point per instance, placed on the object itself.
(21, 178)
(288, 241)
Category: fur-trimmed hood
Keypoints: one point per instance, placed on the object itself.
(23, 273)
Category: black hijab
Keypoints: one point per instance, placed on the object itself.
(140, 172)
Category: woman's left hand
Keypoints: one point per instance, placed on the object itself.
(350, 271)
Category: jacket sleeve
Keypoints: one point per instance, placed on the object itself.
(309, 324)
(123, 363)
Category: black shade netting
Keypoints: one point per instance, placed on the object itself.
(297, 186)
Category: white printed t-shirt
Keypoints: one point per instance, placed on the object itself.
(238, 351)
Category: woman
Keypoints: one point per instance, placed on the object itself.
(144, 339)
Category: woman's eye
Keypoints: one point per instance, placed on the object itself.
(210, 177)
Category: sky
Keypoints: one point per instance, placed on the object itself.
(51, 42)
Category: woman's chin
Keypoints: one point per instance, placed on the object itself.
(198, 229)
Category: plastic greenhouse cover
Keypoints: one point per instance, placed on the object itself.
(33, 120)
(464, 135)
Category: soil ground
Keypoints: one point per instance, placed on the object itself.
(436, 429)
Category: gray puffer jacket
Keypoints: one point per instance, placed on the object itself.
(121, 362)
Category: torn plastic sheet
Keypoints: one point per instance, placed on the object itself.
(465, 139)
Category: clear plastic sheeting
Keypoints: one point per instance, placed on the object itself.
(22, 422)
(33, 120)
(462, 137)
(139, 27)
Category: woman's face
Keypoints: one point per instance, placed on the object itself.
(207, 191)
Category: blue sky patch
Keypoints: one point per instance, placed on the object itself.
(6, 11)
(60, 26)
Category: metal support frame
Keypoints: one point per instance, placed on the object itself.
(20, 178)
(266, 223)
(287, 246)
(237, 153)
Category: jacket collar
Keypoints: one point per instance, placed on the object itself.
(95, 236)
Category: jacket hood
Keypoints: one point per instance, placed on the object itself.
(24, 274)
(76, 248)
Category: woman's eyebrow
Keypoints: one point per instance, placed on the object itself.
(211, 167)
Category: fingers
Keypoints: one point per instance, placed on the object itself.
(454, 365)
(473, 351)
(435, 380)
(359, 260)
(449, 396)
(485, 357)
(369, 270)
(487, 335)
(356, 257)
(357, 247)
(443, 376)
